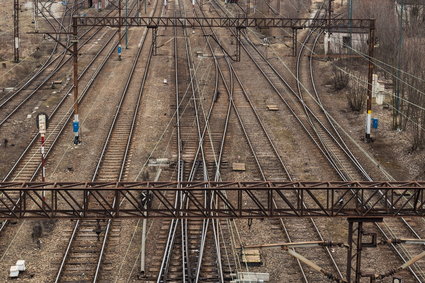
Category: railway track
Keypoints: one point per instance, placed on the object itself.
(390, 228)
(266, 148)
(47, 63)
(191, 249)
(325, 135)
(27, 167)
(42, 81)
(89, 257)
(272, 167)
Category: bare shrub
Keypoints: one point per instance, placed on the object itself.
(356, 96)
(37, 232)
(340, 79)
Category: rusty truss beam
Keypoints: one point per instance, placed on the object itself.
(300, 23)
(94, 200)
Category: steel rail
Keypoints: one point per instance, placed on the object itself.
(57, 68)
(128, 144)
(200, 150)
(173, 224)
(4, 224)
(64, 120)
(342, 145)
(104, 150)
(184, 224)
(332, 162)
(316, 228)
(49, 60)
(259, 166)
(386, 236)
(81, 75)
(217, 176)
(46, 63)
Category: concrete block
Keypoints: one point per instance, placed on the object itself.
(14, 271)
(21, 265)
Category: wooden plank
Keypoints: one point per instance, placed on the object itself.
(238, 166)
(272, 107)
(251, 256)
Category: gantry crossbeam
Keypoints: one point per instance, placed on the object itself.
(91, 200)
(224, 22)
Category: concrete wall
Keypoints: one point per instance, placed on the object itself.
(334, 43)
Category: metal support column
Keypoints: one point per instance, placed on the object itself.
(370, 81)
(350, 17)
(119, 29)
(16, 31)
(294, 42)
(238, 44)
(35, 15)
(126, 26)
(356, 245)
(154, 38)
(76, 123)
(396, 109)
(329, 14)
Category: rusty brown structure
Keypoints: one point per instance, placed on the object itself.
(229, 199)
(225, 22)
(16, 39)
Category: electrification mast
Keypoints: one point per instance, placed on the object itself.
(16, 31)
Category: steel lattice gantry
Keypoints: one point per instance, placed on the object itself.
(228, 199)
(225, 22)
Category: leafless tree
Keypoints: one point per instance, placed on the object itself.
(384, 12)
(356, 95)
(413, 85)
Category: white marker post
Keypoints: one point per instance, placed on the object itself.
(42, 129)
(368, 124)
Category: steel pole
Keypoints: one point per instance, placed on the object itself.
(329, 14)
(359, 249)
(126, 26)
(16, 31)
(119, 29)
(370, 81)
(350, 17)
(349, 251)
(76, 124)
(36, 14)
(396, 111)
(43, 168)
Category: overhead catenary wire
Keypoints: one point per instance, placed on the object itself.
(391, 73)
(358, 78)
(385, 64)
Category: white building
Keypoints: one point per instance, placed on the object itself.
(344, 42)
